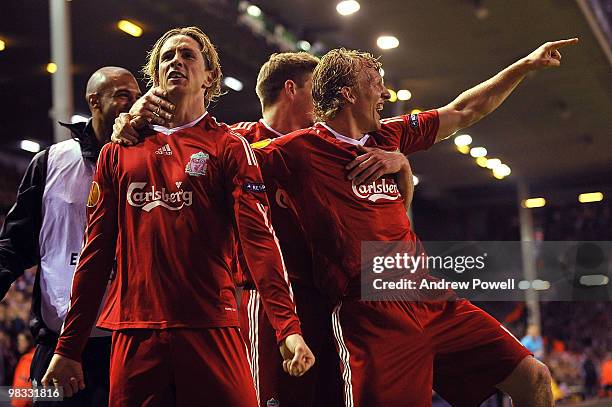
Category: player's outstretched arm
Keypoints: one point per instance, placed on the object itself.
(475, 103)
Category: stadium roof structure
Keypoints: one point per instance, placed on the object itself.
(556, 128)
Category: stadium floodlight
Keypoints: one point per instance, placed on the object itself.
(130, 28)
(415, 111)
(590, 197)
(540, 285)
(382, 72)
(404, 94)
(415, 180)
(347, 7)
(233, 83)
(501, 171)
(29, 145)
(387, 42)
(2, 45)
(524, 285)
(478, 152)
(463, 140)
(52, 67)
(77, 118)
(594, 280)
(393, 97)
(493, 163)
(534, 203)
(463, 149)
(253, 11)
(482, 162)
(304, 45)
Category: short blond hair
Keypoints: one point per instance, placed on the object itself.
(295, 66)
(337, 69)
(209, 53)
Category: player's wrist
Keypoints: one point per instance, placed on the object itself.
(524, 65)
(292, 328)
(68, 354)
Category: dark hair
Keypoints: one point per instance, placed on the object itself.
(295, 66)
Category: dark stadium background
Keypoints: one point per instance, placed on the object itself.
(554, 132)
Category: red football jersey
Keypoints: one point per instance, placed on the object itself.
(296, 251)
(168, 209)
(255, 131)
(336, 214)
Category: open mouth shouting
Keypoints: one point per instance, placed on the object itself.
(175, 76)
(379, 108)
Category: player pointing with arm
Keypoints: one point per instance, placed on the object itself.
(477, 102)
(394, 352)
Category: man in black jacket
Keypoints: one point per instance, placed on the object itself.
(46, 225)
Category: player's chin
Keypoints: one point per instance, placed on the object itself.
(177, 89)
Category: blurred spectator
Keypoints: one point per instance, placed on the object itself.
(557, 391)
(533, 341)
(14, 319)
(606, 375)
(24, 343)
(7, 360)
(579, 325)
(576, 222)
(579, 333)
(557, 346)
(434, 222)
(589, 374)
(26, 349)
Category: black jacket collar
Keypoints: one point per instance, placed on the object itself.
(84, 134)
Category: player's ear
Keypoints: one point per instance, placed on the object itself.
(349, 94)
(209, 78)
(290, 88)
(93, 100)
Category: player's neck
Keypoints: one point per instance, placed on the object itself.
(101, 130)
(279, 117)
(187, 110)
(345, 124)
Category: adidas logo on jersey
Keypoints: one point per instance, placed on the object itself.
(165, 150)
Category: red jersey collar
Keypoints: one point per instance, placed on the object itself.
(324, 128)
(167, 131)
